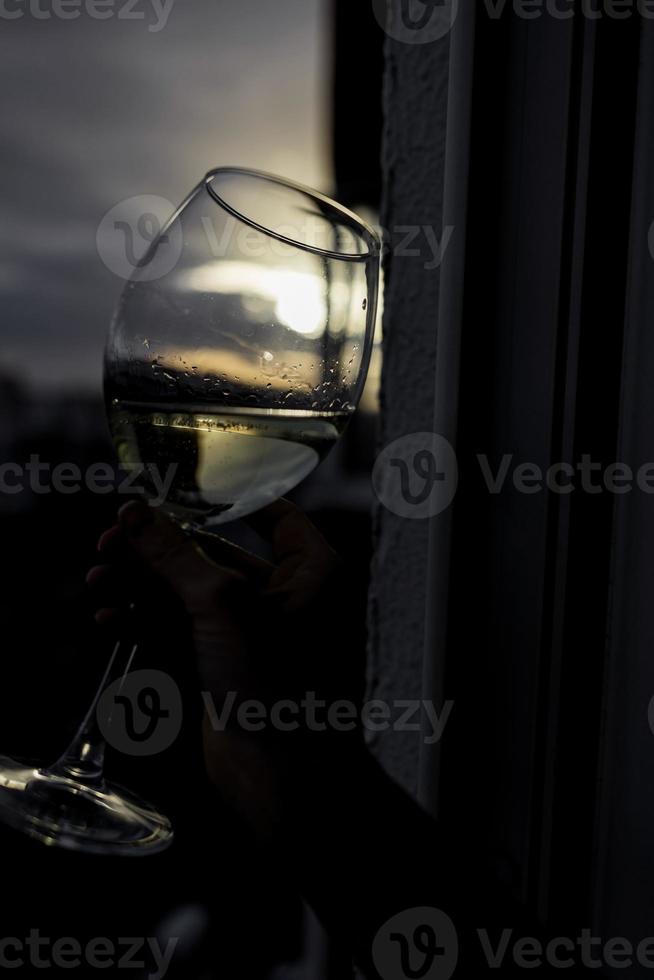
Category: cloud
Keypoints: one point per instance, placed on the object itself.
(97, 111)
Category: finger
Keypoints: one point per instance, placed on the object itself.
(304, 559)
(201, 584)
(96, 575)
(109, 616)
(109, 539)
(115, 549)
(290, 531)
(232, 556)
(265, 521)
(108, 587)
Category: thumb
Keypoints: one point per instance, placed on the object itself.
(202, 585)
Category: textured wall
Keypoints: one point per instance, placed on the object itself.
(415, 100)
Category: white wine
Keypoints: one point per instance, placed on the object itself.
(225, 463)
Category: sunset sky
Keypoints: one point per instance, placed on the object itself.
(95, 111)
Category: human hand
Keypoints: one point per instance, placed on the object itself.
(262, 633)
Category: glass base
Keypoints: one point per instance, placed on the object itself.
(61, 810)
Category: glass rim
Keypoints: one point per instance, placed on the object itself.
(352, 220)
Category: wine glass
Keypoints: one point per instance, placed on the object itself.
(236, 357)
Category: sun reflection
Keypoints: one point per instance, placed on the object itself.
(299, 299)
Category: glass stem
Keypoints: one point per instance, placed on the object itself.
(84, 758)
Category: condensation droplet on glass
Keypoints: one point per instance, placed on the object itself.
(267, 356)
